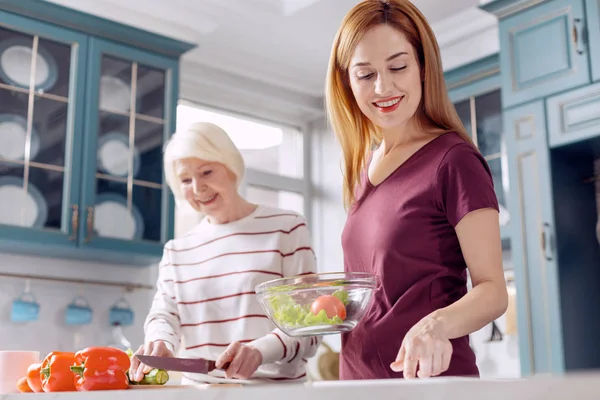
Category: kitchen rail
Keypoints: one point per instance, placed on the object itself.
(128, 286)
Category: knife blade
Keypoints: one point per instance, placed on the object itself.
(194, 365)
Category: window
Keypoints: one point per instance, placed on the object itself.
(275, 198)
(274, 149)
(274, 158)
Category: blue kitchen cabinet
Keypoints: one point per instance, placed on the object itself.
(84, 121)
(41, 125)
(574, 116)
(593, 23)
(475, 91)
(542, 48)
(123, 194)
(532, 214)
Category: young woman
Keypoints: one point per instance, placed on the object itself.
(421, 206)
(206, 282)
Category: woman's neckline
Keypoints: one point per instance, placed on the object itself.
(399, 167)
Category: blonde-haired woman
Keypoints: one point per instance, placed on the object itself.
(207, 278)
(421, 206)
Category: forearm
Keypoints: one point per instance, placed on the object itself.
(483, 304)
(278, 347)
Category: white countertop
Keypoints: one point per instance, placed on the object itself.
(575, 387)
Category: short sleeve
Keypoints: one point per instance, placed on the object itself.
(464, 183)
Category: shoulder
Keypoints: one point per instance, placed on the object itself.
(460, 156)
(278, 217)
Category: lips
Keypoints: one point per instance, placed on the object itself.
(207, 200)
(388, 105)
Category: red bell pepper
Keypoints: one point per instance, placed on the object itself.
(55, 372)
(33, 377)
(101, 368)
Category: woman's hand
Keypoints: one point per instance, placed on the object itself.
(137, 370)
(425, 346)
(243, 360)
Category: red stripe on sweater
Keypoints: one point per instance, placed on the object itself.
(216, 298)
(276, 215)
(226, 320)
(249, 271)
(216, 344)
(286, 232)
(283, 344)
(242, 253)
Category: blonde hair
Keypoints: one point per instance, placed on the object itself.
(204, 141)
(355, 132)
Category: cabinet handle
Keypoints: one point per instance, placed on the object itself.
(90, 224)
(577, 35)
(74, 222)
(547, 247)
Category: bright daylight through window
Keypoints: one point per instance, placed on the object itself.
(273, 155)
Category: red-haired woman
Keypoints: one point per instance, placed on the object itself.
(421, 205)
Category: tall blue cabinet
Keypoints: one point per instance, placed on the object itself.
(550, 83)
(86, 105)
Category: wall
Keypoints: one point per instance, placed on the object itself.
(50, 332)
(495, 359)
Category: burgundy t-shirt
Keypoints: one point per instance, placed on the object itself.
(402, 230)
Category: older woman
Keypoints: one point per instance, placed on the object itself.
(205, 305)
(422, 206)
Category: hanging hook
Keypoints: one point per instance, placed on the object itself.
(27, 286)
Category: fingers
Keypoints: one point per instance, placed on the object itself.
(243, 361)
(137, 370)
(135, 363)
(237, 365)
(398, 365)
(423, 357)
(227, 356)
(437, 364)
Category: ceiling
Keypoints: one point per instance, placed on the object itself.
(270, 46)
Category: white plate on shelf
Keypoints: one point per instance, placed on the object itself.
(16, 62)
(13, 135)
(115, 94)
(113, 154)
(18, 208)
(112, 219)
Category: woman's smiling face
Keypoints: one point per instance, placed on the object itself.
(385, 77)
(209, 187)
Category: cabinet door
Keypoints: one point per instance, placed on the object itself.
(543, 51)
(131, 113)
(593, 22)
(533, 252)
(574, 116)
(42, 83)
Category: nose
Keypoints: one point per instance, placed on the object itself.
(197, 186)
(383, 85)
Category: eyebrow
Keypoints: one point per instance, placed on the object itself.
(390, 58)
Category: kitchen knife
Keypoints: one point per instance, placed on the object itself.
(194, 365)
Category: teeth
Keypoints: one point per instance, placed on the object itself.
(209, 199)
(388, 103)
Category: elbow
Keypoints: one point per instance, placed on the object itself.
(500, 300)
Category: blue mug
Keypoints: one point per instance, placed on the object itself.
(78, 312)
(25, 308)
(121, 314)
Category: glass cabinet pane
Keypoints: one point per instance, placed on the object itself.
(129, 197)
(463, 109)
(35, 78)
(489, 122)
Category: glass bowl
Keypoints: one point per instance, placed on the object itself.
(317, 304)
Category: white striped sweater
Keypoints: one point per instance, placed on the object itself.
(206, 299)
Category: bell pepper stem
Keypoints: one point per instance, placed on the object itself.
(45, 372)
(78, 370)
